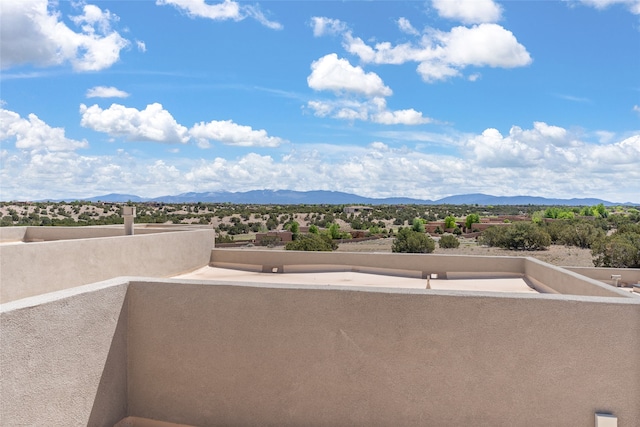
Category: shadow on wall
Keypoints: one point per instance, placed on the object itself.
(110, 404)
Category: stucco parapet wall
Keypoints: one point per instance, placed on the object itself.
(44, 234)
(63, 358)
(365, 262)
(628, 276)
(42, 267)
(136, 349)
(298, 355)
(565, 281)
(543, 277)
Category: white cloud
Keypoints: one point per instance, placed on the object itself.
(632, 5)
(106, 92)
(198, 8)
(442, 55)
(258, 15)
(553, 149)
(404, 117)
(151, 124)
(469, 11)
(483, 45)
(324, 26)
(338, 75)
(555, 167)
(230, 133)
(374, 110)
(405, 26)
(35, 134)
(226, 10)
(142, 47)
(32, 33)
(636, 108)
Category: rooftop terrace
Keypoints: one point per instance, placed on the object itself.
(205, 336)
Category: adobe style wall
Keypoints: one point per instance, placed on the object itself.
(39, 267)
(545, 277)
(266, 355)
(628, 276)
(230, 354)
(63, 359)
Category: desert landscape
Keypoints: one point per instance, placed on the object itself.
(368, 229)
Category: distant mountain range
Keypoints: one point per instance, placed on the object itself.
(288, 197)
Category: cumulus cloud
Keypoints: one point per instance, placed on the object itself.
(106, 92)
(338, 75)
(442, 54)
(552, 148)
(35, 134)
(469, 11)
(230, 133)
(636, 108)
(374, 110)
(154, 123)
(557, 162)
(32, 33)
(227, 10)
(632, 5)
(326, 26)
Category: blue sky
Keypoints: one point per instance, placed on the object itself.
(377, 98)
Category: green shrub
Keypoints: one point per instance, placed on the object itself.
(410, 241)
(449, 241)
(519, 236)
(312, 242)
(269, 240)
(620, 250)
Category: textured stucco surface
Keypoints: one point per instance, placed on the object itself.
(205, 354)
(63, 358)
(553, 279)
(40, 267)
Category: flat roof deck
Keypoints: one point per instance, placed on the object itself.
(361, 279)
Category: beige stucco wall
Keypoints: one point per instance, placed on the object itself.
(207, 354)
(63, 358)
(365, 262)
(12, 234)
(628, 275)
(39, 267)
(244, 355)
(545, 276)
(568, 282)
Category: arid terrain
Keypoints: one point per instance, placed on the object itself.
(556, 255)
(241, 223)
(566, 256)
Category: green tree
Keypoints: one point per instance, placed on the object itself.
(418, 225)
(602, 211)
(450, 222)
(410, 241)
(471, 219)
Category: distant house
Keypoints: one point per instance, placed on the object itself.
(356, 209)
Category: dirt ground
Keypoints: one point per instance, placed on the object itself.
(556, 255)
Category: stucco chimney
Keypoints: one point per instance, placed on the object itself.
(128, 212)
